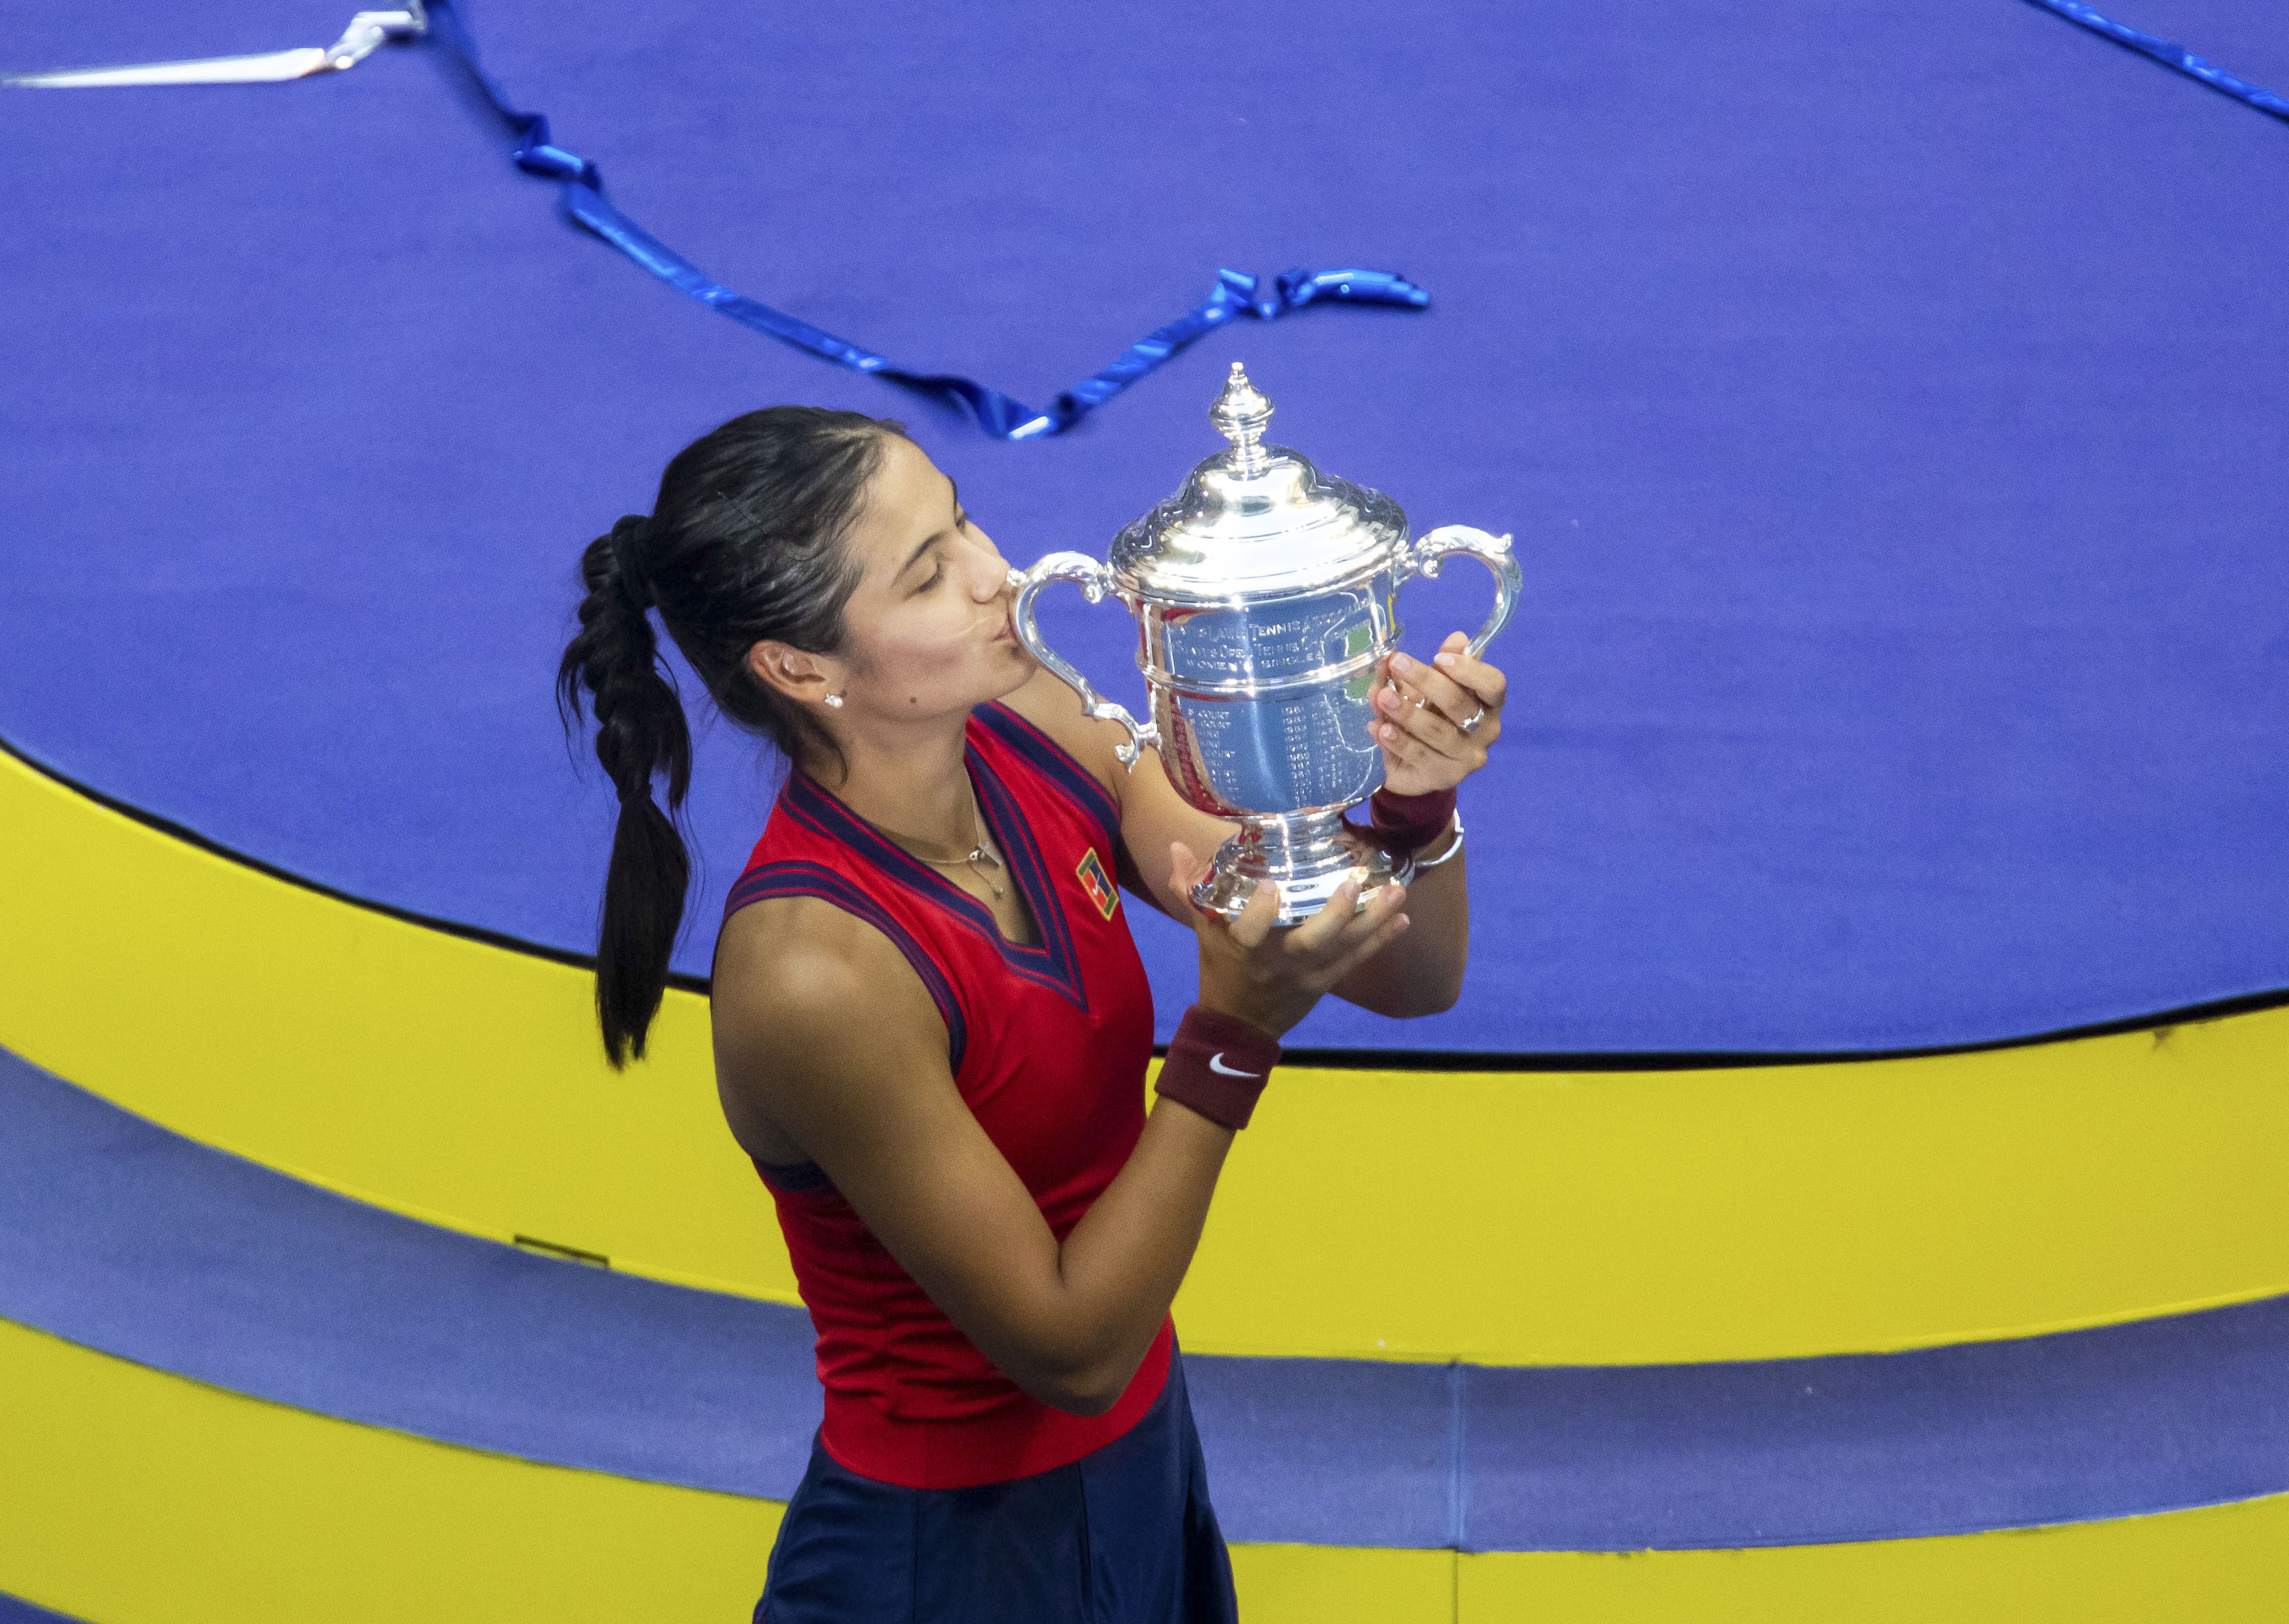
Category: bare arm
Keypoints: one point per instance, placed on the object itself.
(1425, 749)
(869, 1098)
(1421, 973)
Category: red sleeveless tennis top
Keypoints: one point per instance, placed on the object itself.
(1048, 1046)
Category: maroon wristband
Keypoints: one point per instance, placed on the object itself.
(1404, 823)
(1217, 1065)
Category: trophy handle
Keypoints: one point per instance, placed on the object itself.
(1431, 551)
(1093, 579)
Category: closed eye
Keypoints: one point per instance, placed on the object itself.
(938, 569)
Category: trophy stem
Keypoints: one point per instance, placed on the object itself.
(1304, 855)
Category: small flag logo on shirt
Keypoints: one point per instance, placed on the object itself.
(1101, 890)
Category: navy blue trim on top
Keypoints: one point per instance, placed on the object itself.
(792, 1178)
(1054, 763)
(1013, 832)
(1050, 963)
(804, 879)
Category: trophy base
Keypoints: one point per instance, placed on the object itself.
(1306, 857)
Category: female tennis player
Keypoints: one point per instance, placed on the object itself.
(931, 1025)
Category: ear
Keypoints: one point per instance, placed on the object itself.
(807, 679)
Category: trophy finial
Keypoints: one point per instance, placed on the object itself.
(1241, 414)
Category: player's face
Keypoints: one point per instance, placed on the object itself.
(927, 631)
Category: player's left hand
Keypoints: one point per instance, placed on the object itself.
(1421, 711)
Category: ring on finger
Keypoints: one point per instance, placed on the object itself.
(1477, 716)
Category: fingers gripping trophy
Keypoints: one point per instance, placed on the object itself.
(1266, 598)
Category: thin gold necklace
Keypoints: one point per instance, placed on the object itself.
(978, 851)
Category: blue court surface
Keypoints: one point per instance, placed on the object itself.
(1889, 407)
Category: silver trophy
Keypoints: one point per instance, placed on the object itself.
(1266, 596)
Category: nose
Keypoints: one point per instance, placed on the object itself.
(989, 574)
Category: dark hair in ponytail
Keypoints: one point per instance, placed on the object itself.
(744, 545)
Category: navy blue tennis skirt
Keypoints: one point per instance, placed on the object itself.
(1124, 1535)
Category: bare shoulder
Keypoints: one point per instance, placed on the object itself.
(812, 1007)
(772, 951)
(1049, 704)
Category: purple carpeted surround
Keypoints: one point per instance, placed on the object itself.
(126, 1238)
(1890, 408)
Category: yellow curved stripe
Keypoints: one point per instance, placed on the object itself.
(2225, 1564)
(132, 1497)
(1677, 1217)
(457, 1082)
(1640, 1217)
(128, 1496)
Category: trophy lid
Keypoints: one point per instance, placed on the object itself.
(1255, 521)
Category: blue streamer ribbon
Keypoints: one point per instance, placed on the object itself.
(2170, 56)
(1236, 293)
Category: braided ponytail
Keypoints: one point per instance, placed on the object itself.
(744, 546)
(641, 733)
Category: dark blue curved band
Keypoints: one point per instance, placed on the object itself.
(2169, 55)
(1002, 416)
(122, 1236)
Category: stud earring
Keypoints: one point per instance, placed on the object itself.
(835, 700)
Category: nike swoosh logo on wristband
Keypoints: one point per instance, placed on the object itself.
(1217, 1065)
